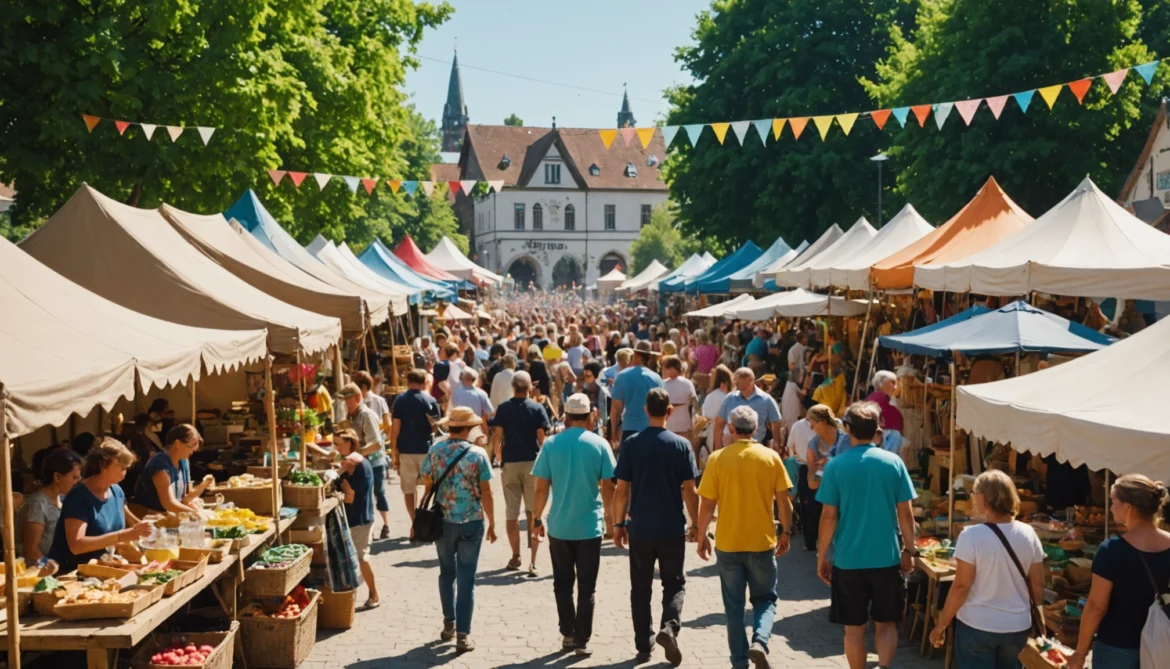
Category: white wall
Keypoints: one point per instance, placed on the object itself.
(1159, 163)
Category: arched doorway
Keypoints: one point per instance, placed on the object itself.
(566, 272)
(524, 272)
(610, 261)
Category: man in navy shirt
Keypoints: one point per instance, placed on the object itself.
(357, 483)
(411, 433)
(656, 474)
(518, 431)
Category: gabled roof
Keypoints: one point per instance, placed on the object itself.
(445, 172)
(1131, 181)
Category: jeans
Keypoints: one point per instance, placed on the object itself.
(1113, 657)
(757, 573)
(810, 510)
(380, 501)
(976, 649)
(669, 555)
(458, 550)
(575, 561)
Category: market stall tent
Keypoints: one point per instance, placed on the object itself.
(798, 303)
(352, 261)
(612, 280)
(712, 279)
(135, 258)
(989, 218)
(382, 261)
(447, 257)
(410, 254)
(723, 308)
(327, 252)
(741, 280)
(758, 280)
(827, 239)
(1105, 410)
(653, 272)
(851, 272)
(800, 273)
(454, 313)
(694, 266)
(1085, 246)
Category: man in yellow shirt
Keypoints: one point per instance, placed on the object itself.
(743, 480)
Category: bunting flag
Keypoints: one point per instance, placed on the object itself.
(410, 187)
(498, 186)
(121, 126)
(798, 125)
(1079, 88)
(91, 121)
(996, 105)
(741, 128)
(369, 185)
(668, 133)
(901, 113)
(941, 112)
(148, 129)
(427, 186)
(1115, 79)
(720, 130)
(1049, 93)
(880, 117)
(322, 179)
(467, 185)
(694, 131)
(395, 184)
(823, 124)
(452, 186)
(276, 176)
(1024, 99)
(646, 135)
(205, 134)
(920, 113)
(351, 183)
(297, 177)
(763, 127)
(967, 109)
(607, 137)
(628, 135)
(778, 127)
(1147, 70)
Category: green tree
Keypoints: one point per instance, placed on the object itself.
(763, 59)
(659, 240)
(514, 120)
(965, 48)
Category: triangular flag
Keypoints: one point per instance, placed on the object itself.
(778, 127)
(369, 185)
(846, 121)
(276, 176)
(694, 131)
(90, 121)
(297, 177)
(395, 184)
(1079, 88)
(427, 186)
(942, 112)
(1049, 93)
(823, 124)
(322, 179)
(798, 124)
(148, 129)
(1146, 70)
(205, 133)
(901, 113)
(121, 126)
(880, 116)
(1024, 99)
(645, 135)
(668, 133)
(1114, 79)
(174, 131)
(762, 127)
(352, 182)
(996, 105)
(410, 186)
(720, 130)
(920, 113)
(467, 186)
(452, 186)
(741, 128)
(967, 109)
(628, 135)
(498, 186)
(607, 137)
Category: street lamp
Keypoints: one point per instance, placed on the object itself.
(879, 159)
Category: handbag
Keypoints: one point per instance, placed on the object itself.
(1155, 640)
(1037, 622)
(428, 522)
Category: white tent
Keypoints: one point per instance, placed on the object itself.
(717, 310)
(612, 280)
(800, 274)
(694, 266)
(810, 251)
(447, 257)
(357, 265)
(653, 272)
(1086, 246)
(328, 253)
(798, 303)
(852, 272)
(1118, 422)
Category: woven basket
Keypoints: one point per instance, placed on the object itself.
(213, 555)
(221, 658)
(281, 643)
(309, 497)
(337, 609)
(277, 582)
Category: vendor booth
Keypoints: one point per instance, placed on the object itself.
(851, 271)
(799, 273)
(447, 257)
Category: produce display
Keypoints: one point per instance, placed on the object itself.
(238, 516)
(233, 532)
(302, 477)
(114, 560)
(182, 655)
(281, 557)
(94, 592)
(291, 607)
(246, 481)
(46, 584)
(157, 574)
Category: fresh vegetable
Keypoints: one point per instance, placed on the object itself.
(292, 606)
(233, 532)
(286, 553)
(182, 655)
(301, 477)
(47, 584)
(159, 577)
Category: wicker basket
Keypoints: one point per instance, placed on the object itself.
(221, 658)
(276, 582)
(213, 555)
(1031, 658)
(303, 496)
(281, 643)
(337, 609)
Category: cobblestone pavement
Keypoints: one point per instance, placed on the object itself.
(515, 616)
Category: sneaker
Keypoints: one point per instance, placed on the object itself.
(532, 571)
(758, 654)
(642, 657)
(448, 632)
(464, 644)
(583, 650)
(567, 642)
(385, 533)
(670, 646)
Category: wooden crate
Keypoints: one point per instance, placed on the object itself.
(88, 611)
(259, 500)
(192, 571)
(213, 555)
(281, 643)
(220, 658)
(276, 582)
(312, 535)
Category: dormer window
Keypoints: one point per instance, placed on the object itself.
(505, 162)
(631, 170)
(594, 170)
(652, 160)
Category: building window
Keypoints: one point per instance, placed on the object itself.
(518, 215)
(610, 217)
(594, 170)
(552, 174)
(570, 217)
(646, 211)
(537, 217)
(631, 170)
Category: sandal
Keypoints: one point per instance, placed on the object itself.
(514, 563)
(370, 606)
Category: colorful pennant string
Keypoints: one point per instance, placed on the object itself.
(173, 131)
(466, 186)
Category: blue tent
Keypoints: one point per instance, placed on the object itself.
(1015, 327)
(715, 277)
(383, 262)
(741, 279)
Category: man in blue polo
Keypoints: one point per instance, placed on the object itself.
(628, 413)
(746, 394)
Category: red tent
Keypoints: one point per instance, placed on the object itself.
(409, 253)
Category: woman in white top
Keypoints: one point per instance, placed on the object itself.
(989, 597)
(719, 389)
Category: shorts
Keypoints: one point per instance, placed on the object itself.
(361, 540)
(409, 468)
(519, 483)
(859, 594)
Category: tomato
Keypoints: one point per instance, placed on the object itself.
(206, 649)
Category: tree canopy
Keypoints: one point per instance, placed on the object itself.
(661, 240)
(514, 120)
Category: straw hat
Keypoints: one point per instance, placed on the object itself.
(643, 346)
(461, 417)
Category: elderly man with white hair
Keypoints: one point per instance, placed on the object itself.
(746, 394)
(885, 384)
(466, 394)
(742, 480)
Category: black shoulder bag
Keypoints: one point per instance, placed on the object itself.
(428, 522)
(1037, 622)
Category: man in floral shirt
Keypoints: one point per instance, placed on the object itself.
(465, 497)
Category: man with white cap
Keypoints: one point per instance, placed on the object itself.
(574, 462)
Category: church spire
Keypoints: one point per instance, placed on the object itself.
(455, 110)
(625, 117)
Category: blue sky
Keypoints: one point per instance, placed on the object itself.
(597, 44)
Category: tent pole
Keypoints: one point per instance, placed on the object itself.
(362, 350)
(393, 355)
(873, 359)
(951, 469)
(10, 595)
(301, 413)
(1108, 499)
(338, 368)
(270, 407)
(1017, 362)
(194, 401)
(864, 332)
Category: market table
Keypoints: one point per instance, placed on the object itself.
(936, 572)
(226, 590)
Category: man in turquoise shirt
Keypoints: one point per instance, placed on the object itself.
(866, 493)
(574, 462)
(628, 413)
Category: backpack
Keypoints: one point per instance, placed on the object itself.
(1156, 632)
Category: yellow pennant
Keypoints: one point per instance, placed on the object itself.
(607, 137)
(646, 135)
(720, 130)
(823, 125)
(395, 184)
(777, 127)
(846, 121)
(1049, 94)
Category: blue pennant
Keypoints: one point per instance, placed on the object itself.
(1147, 70)
(1024, 99)
(764, 128)
(668, 133)
(410, 186)
(901, 113)
(693, 132)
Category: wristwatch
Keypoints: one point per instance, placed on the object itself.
(621, 524)
(912, 552)
(537, 522)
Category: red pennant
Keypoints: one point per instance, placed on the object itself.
(370, 185)
(297, 177)
(921, 112)
(276, 176)
(1079, 88)
(880, 117)
(90, 121)
(628, 134)
(453, 186)
(121, 126)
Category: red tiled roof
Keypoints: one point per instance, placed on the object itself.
(6, 191)
(445, 172)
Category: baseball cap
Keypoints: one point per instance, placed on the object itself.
(578, 404)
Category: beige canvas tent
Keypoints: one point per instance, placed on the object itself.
(135, 258)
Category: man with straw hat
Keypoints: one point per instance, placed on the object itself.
(629, 394)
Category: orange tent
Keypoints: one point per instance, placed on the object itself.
(988, 218)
